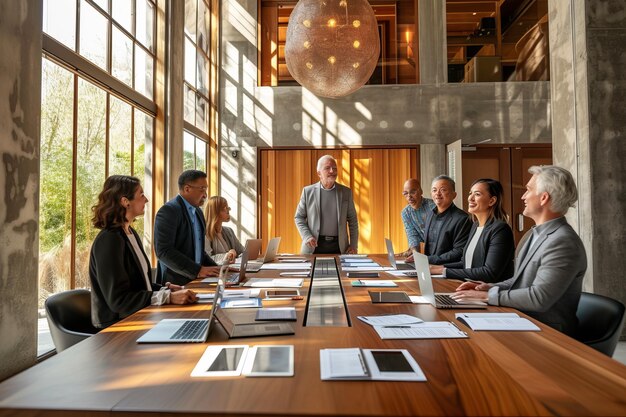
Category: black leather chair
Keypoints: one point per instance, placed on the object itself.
(69, 317)
(600, 322)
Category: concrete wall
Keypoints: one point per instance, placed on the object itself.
(588, 61)
(20, 108)
(253, 116)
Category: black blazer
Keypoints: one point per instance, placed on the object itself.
(174, 244)
(493, 256)
(452, 237)
(118, 284)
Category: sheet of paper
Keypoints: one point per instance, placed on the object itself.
(345, 265)
(390, 319)
(354, 255)
(374, 283)
(377, 268)
(497, 322)
(357, 260)
(274, 282)
(418, 299)
(287, 266)
(426, 330)
(252, 293)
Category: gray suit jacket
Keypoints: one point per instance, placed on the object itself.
(547, 282)
(308, 217)
(231, 239)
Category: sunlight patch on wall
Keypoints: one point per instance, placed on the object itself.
(241, 20)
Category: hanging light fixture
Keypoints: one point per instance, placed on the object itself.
(332, 46)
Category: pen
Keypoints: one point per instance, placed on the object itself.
(397, 327)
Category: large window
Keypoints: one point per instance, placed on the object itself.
(197, 84)
(97, 119)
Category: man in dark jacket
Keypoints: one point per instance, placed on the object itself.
(179, 230)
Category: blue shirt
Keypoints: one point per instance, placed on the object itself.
(198, 233)
(414, 221)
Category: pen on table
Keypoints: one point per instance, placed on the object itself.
(397, 327)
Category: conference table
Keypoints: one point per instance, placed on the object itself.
(488, 373)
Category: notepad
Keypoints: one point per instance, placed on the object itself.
(374, 283)
(241, 303)
(278, 313)
(496, 322)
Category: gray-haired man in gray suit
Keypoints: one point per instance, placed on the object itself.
(323, 212)
(551, 261)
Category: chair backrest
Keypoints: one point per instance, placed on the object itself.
(600, 322)
(69, 317)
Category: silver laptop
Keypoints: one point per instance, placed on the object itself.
(408, 268)
(231, 278)
(270, 255)
(184, 330)
(426, 287)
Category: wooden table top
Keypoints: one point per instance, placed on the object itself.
(490, 373)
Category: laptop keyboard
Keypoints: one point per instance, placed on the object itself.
(446, 300)
(410, 273)
(191, 329)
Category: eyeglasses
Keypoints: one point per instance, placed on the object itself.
(203, 188)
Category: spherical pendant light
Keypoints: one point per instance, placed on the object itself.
(332, 46)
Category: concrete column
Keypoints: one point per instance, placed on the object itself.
(20, 110)
(587, 46)
(433, 58)
(432, 163)
(175, 104)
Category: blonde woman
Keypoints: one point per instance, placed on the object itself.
(220, 241)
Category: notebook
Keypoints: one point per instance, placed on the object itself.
(399, 266)
(426, 287)
(184, 330)
(270, 255)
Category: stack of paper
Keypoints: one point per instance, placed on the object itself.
(390, 320)
(274, 282)
(426, 330)
(496, 321)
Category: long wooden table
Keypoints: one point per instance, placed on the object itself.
(490, 373)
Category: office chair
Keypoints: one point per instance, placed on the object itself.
(69, 317)
(600, 322)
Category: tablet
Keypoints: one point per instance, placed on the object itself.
(221, 360)
(269, 360)
(393, 365)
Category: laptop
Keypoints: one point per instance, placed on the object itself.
(241, 322)
(232, 278)
(409, 268)
(270, 255)
(426, 287)
(184, 330)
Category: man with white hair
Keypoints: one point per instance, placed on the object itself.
(551, 260)
(323, 212)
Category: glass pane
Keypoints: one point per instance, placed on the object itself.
(145, 24)
(123, 13)
(190, 18)
(93, 35)
(203, 75)
(189, 155)
(202, 109)
(190, 62)
(55, 192)
(190, 104)
(204, 26)
(143, 139)
(59, 21)
(144, 72)
(119, 137)
(200, 154)
(122, 57)
(104, 5)
(89, 171)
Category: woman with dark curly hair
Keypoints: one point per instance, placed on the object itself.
(119, 269)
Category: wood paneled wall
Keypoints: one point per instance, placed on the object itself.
(376, 177)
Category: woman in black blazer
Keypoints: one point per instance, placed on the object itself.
(489, 251)
(119, 269)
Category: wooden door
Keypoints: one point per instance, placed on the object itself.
(376, 177)
(523, 158)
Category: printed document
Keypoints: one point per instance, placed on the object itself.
(496, 322)
(426, 330)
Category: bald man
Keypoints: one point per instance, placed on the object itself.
(414, 214)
